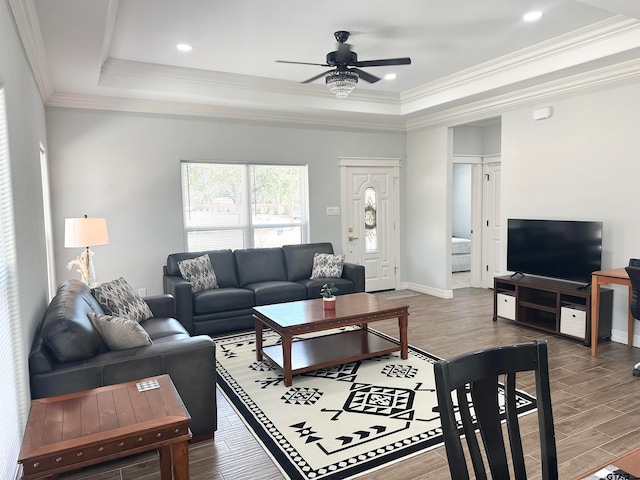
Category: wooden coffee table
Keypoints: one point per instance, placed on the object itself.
(73, 431)
(308, 316)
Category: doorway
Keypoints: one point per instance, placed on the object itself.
(370, 220)
(475, 204)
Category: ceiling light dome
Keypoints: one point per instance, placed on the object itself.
(342, 83)
(532, 16)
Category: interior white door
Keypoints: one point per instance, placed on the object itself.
(370, 203)
(491, 228)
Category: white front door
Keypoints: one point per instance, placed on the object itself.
(491, 228)
(370, 200)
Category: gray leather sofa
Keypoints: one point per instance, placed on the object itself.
(69, 355)
(251, 277)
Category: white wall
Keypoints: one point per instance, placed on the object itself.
(583, 163)
(427, 216)
(126, 168)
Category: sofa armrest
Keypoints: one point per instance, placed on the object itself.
(189, 361)
(161, 305)
(355, 273)
(180, 289)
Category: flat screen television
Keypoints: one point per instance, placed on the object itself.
(563, 249)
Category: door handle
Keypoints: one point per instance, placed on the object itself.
(351, 239)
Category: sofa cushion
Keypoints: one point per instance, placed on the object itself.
(257, 265)
(164, 328)
(326, 265)
(277, 292)
(67, 332)
(199, 273)
(222, 261)
(119, 333)
(299, 258)
(117, 298)
(222, 300)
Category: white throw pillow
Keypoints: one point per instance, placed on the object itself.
(327, 265)
(119, 333)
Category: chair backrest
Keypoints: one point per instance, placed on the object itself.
(633, 270)
(474, 377)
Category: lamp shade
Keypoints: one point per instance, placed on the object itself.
(85, 232)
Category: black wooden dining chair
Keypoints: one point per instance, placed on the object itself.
(474, 377)
(633, 270)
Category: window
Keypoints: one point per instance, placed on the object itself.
(370, 221)
(243, 206)
(12, 378)
(48, 230)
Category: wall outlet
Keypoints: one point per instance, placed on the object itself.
(142, 292)
(333, 210)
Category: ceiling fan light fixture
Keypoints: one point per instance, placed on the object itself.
(341, 83)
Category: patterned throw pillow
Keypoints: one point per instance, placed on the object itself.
(326, 265)
(118, 298)
(119, 333)
(199, 272)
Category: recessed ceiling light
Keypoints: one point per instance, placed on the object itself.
(532, 16)
(184, 47)
(390, 76)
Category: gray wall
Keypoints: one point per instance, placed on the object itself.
(126, 167)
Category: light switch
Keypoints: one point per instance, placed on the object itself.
(333, 210)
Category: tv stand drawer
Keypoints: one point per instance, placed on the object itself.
(506, 306)
(573, 321)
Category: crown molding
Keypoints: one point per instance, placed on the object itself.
(112, 16)
(366, 109)
(613, 35)
(26, 18)
(473, 111)
(114, 70)
(494, 106)
(340, 120)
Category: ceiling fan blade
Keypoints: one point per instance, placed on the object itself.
(383, 62)
(317, 76)
(367, 77)
(304, 63)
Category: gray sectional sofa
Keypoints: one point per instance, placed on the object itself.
(69, 355)
(251, 277)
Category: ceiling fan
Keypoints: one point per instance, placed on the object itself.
(342, 79)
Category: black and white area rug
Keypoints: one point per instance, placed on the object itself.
(339, 422)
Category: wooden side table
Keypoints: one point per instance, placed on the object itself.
(603, 277)
(73, 431)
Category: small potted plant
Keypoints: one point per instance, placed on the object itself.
(328, 298)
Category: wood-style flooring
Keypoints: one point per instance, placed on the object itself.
(596, 401)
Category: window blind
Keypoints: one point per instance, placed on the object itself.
(12, 383)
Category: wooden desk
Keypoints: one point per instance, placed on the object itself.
(629, 462)
(76, 430)
(602, 277)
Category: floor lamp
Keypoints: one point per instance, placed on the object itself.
(84, 233)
